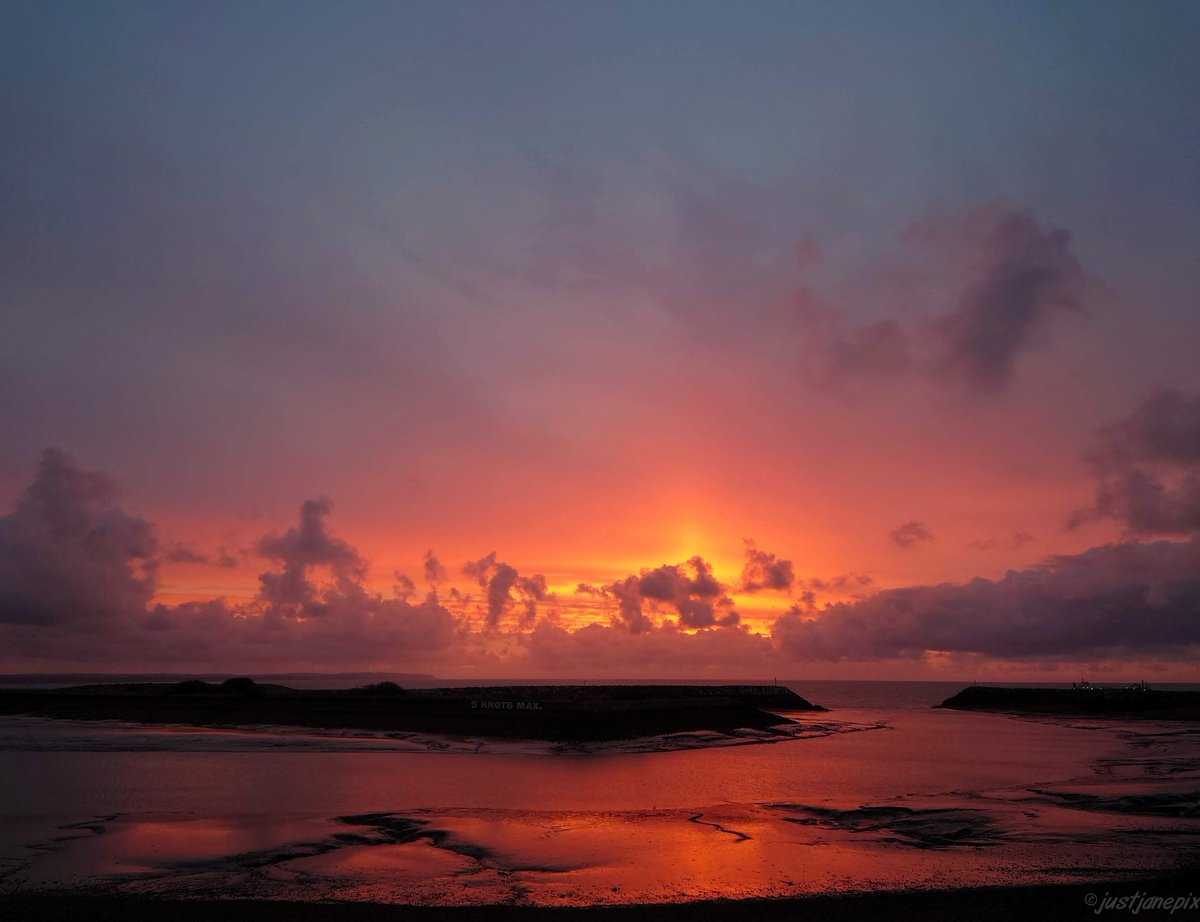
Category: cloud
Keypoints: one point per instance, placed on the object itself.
(1147, 468)
(69, 554)
(629, 604)
(184, 553)
(690, 588)
(765, 571)
(1008, 275)
(1119, 598)
(843, 582)
(77, 579)
(628, 596)
(499, 580)
(404, 587)
(666, 650)
(1011, 542)
(533, 590)
(339, 617)
(77, 576)
(1022, 275)
(836, 354)
(313, 607)
(435, 573)
(910, 534)
(356, 629)
(306, 546)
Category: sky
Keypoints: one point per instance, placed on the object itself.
(580, 340)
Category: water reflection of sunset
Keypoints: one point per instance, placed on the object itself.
(860, 810)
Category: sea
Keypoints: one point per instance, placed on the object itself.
(882, 791)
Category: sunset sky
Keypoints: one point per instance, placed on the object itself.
(601, 339)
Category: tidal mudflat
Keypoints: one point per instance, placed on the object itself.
(857, 801)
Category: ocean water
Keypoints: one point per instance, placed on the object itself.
(884, 791)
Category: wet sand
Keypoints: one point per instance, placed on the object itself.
(1059, 902)
(908, 814)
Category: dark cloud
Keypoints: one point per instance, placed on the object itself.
(1012, 275)
(1011, 542)
(1022, 275)
(1120, 598)
(765, 571)
(734, 274)
(313, 608)
(1147, 468)
(499, 581)
(435, 573)
(533, 589)
(77, 579)
(339, 615)
(910, 534)
(403, 587)
(355, 627)
(77, 574)
(629, 604)
(184, 553)
(844, 585)
(181, 552)
(698, 597)
(69, 554)
(836, 354)
(690, 588)
(842, 582)
(300, 549)
(1164, 427)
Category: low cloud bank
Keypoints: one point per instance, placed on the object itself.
(78, 575)
(1123, 598)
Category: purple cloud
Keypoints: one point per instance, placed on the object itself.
(910, 534)
(69, 553)
(765, 571)
(1119, 598)
(1147, 468)
(1022, 276)
(690, 588)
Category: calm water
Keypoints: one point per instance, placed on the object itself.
(882, 792)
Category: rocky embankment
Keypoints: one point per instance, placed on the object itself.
(1134, 701)
(561, 713)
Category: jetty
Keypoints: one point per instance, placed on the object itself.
(561, 713)
(1084, 699)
